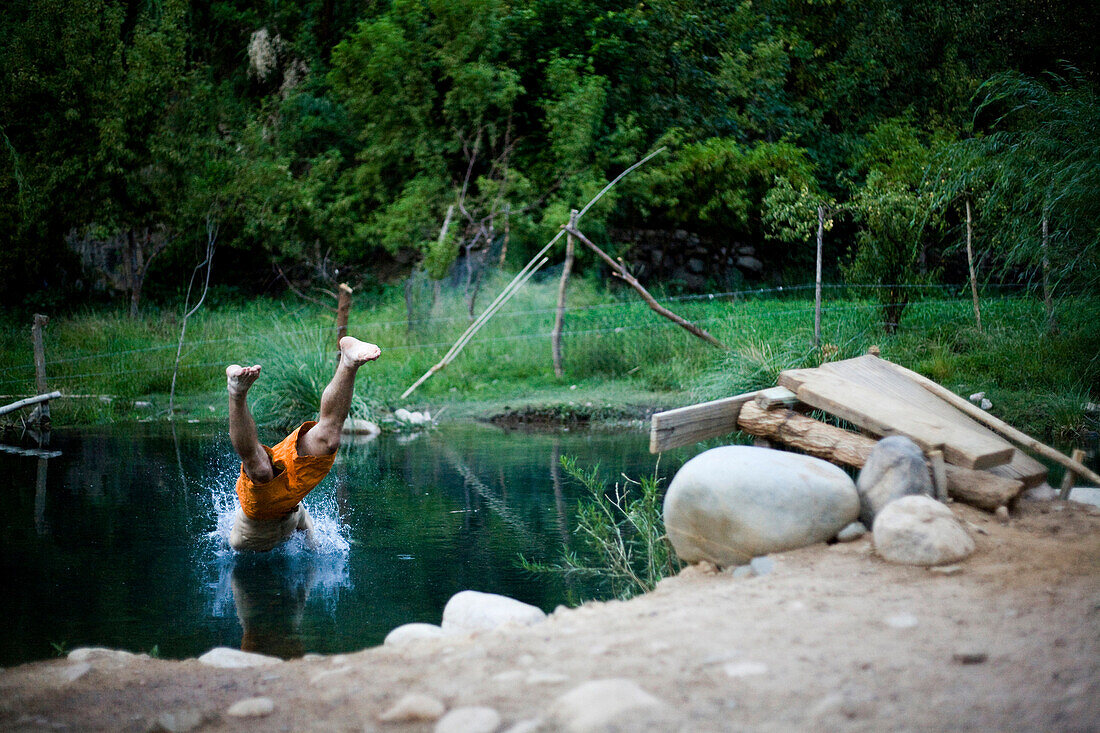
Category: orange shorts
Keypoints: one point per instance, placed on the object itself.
(295, 476)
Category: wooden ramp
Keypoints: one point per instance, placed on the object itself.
(878, 397)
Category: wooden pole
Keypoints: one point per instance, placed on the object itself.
(970, 264)
(817, 277)
(1048, 301)
(559, 316)
(343, 306)
(29, 401)
(996, 424)
(621, 272)
(1067, 480)
(40, 322)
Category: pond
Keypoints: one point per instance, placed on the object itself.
(120, 540)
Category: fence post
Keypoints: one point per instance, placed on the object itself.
(817, 277)
(559, 317)
(343, 306)
(43, 409)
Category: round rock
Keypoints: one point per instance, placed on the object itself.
(471, 610)
(252, 707)
(596, 705)
(412, 632)
(918, 530)
(469, 720)
(894, 469)
(414, 706)
(227, 658)
(731, 504)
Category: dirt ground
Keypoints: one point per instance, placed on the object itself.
(832, 638)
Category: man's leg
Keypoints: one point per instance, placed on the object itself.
(324, 438)
(242, 428)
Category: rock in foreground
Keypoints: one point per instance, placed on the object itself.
(733, 503)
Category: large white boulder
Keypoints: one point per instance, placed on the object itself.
(227, 658)
(470, 610)
(918, 530)
(731, 504)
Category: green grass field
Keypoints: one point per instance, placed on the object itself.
(618, 354)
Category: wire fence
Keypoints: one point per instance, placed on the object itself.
(803, 307)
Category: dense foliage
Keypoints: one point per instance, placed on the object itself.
(321, 142)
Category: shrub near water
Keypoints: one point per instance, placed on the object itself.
(625, 545)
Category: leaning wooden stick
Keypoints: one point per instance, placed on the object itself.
(649, 299)
(29, 401)
(517, 282)
(994, 423)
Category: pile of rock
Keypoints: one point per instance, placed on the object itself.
(735, 503)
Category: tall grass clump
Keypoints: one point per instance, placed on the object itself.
(625, 548)
(297, 368)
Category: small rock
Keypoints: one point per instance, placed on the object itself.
(227, 658)
(918, 530)
(977, 397)
(901, 621)
(469, 720)
(986, 405)
(180, 721)
(744, 669)
(73, 672)
(528, 725)
(852, 532)
(1085, 495)
(593, 706)
(98, 653)
(412, 632)
(252, 707)
(1001, 514)
(1042, 492)
(970, 656)
(895, 468)
(742, 571)
(945, 569)
(469, 611)
(762, 565)
(414, 706)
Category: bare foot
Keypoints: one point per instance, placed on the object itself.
(239, 378)
(356, 353)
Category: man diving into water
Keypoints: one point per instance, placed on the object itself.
(274, 481)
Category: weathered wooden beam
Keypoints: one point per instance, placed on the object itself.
(32, 452)
(29, 401)
(977, 488)
(687, 425)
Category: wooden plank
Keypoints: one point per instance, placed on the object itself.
(687, 425)
(776, 397)
(883, 414)
(889, 379)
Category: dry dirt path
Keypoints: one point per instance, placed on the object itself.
(832, 638)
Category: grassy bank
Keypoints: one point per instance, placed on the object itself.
(620, 357)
